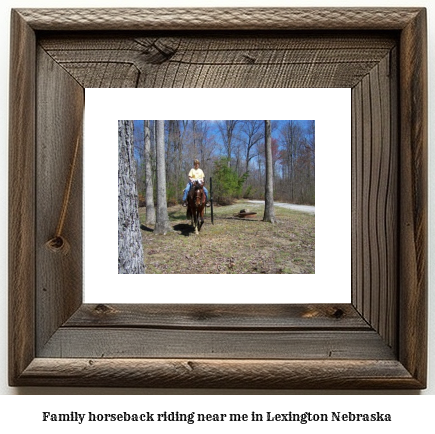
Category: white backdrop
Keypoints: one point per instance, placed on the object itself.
(10, 407)
(330, 108)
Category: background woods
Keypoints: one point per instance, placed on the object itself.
(233, 153)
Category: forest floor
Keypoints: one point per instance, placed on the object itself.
(232, 245)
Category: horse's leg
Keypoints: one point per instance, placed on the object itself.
(201, 222)
(196, 222)
(201, 210)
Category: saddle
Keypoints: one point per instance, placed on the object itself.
(195, 186)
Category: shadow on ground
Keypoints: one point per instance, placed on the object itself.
(184, 229)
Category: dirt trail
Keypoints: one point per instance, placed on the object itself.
(302, 208)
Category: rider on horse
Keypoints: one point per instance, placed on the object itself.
(195, 174)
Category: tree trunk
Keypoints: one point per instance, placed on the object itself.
(162, 220)
(130, 249)
(149, 195)
(269, 212)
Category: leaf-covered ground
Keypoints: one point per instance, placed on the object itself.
(232, 245)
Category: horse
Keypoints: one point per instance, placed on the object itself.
(196, 200)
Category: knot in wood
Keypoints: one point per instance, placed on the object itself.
(338, 313)
(103, 309)
(58, 244)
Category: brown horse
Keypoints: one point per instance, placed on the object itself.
(195, 205)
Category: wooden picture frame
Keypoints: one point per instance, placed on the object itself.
(376, 342)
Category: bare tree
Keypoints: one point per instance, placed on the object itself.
(149, 195)
(269, 211)
(176, 132)
(162, 219)
(307, 165)
(228, 131)
(252, 131)
(201, 145)
(292, 136)
(130, 249)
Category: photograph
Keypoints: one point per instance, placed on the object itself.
(230, 196)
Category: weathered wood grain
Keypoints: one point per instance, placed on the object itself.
(413, 187)
(21, 193)
(127, 342)
(233, 61)
(60, 105)
(228, 374)
(357, 199)
(220, 18)
(376, 197)
(220, 317)
(392, 299)
(386, 221)
(379, 342)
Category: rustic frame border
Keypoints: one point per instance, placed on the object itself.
(372, 359)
